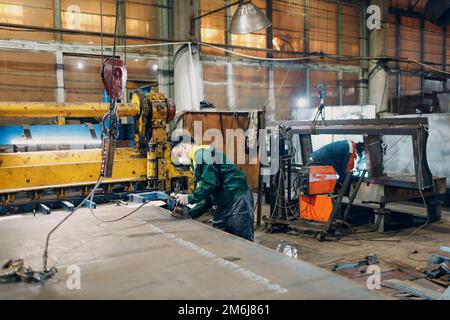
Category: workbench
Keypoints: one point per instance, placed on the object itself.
(151, 255)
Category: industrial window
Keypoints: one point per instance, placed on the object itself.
(392, 36)
(27, 76)
(407, 83)
(288, 20)
(143, 17)
(392, 90)
(27, 12)
(289, 93)
(250, 86)
(82, 81)
(212, 26)
(142, 73)
(350, 33)
(85, 15)
(288, 28)
(247, 87)
(142, 70)
(434, 44)
(330, 78)
(323, 26)
(431, 86)
(350, 88)
(409, 41)
(215, 85)
(410, 85)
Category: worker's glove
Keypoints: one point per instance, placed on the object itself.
(182, 199)
(181, 212)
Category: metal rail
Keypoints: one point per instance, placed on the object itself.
(69, 110)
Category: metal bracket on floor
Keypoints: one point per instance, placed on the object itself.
(148, 196)
(90, 204)
(44, 209)
(67, 206)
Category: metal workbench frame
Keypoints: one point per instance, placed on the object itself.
(372, 131)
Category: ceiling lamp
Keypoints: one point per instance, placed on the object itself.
(248, 18)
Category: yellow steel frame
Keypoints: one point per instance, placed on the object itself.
(58, 169)
(37, 171)
(71, 110)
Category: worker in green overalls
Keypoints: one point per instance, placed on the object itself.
(217, 182)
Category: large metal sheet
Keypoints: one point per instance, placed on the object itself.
(152, 256)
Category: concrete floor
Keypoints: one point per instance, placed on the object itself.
(394, 249)
(394, 245)
(152, 256)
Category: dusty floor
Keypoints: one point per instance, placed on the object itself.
(402, 252)
(151, 255)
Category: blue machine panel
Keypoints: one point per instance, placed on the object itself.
(8, 134)
(51, 134)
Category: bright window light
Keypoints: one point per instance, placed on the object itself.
(302, 102)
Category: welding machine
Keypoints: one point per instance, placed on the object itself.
(318, 185)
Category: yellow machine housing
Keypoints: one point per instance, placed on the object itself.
(70, 173)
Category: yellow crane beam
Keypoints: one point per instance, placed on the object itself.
(68, 110)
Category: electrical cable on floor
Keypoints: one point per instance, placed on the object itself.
(121, 218)
(353, 233)
(47, 241)
(417, 260)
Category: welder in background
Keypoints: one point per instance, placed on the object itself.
(342, 155)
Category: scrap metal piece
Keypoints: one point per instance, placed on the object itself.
(437, 259)
(412, 289)
(90, 204)
(369, 260)
(344, 266)
(44, 209)
(120, 203)
(436, 271)
(15, 270)
(67, 206)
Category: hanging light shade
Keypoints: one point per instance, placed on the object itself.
(248, 18)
